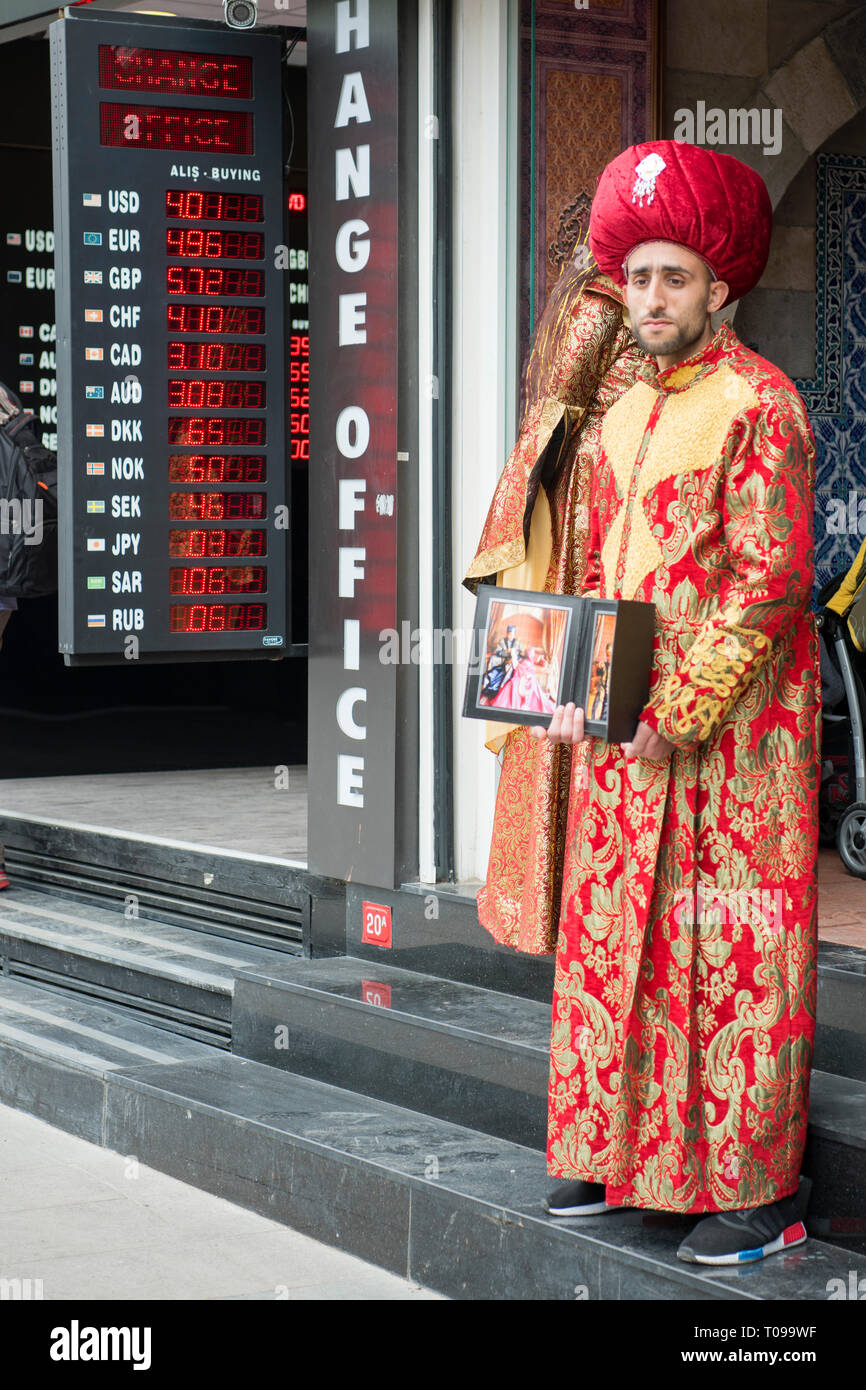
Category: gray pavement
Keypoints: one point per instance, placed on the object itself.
(80, 1222)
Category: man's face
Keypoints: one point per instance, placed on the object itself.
(670, 295)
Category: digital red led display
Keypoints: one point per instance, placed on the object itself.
(297, 202)
(217, 506)
(195, 580)
(212, 244)
(175, 128)
(218, 430)
(217, 468)
(199, 279)
(299, 396)
(217, 545)
(218, 617)
(195, 206)
(198, 394)
(215, 318)
(168, 70)
(216, 357)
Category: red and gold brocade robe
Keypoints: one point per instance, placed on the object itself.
(684, 998)
(583, 359)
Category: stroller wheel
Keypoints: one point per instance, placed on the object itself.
(851, 838)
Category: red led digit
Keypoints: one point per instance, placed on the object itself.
(216, 357)
(218, 430)
(217, 468)
(218, 617)
(196, 580)
(202, 244)
(215, 318)
(194, 205)
(199, 393)
(197, 279)
(198, 544)
(216, 506)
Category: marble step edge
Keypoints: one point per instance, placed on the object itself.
(311, 978)
(121, 1110)
(186, 957)
(75, 1028)
(657, 1259)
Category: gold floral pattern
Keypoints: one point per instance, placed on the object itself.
(684, 1002)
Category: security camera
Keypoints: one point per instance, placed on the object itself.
(240, 14)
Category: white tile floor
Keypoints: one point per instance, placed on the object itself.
(91, 1224)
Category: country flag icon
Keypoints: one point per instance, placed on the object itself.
(95, 508)
(96, 543)
(94, 431)
(94, 393)
(25, 330)
(92, 238)
(96, 620)
(90, 316)
(13, 277)
(92, 200)
(93, 354)
(25, 386)
(93, 277)
(96, 581)
(95, 469)
(13, 238)
(25, 359)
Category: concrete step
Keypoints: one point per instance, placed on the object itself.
(436, 1202)
(176, 977)
(479, 1058)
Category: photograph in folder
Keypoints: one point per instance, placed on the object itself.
(534, 651)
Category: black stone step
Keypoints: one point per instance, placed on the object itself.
(168, 975)
(478, 1058)
(840, 1037)
(56, 1050)
(439, 1203)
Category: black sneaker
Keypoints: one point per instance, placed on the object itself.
(578, 1199)
(735, 1237)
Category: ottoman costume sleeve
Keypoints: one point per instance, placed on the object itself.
(769, 531)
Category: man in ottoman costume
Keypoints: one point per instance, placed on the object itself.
(583, 358)
(684, 998)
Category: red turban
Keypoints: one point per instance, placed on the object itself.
(665, 190)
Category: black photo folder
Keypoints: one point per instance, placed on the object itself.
(533, 651)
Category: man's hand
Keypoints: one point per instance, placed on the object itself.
(566, 726)
(648, 744)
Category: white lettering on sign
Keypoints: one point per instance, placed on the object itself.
(126, 581)
(353, 318)
(346, 712)
(126, 541)
(350, 566)
(37, 240)
(126, 430)
(39, 277)
(127, 468)
(125, 504)
(126, 392)
(124, 315)
(123, 200)
(353, 432)
(127, 619)
(124, 239)
(352, 105)
(124, 354)
(352, 171)
(352, 253)
(351, 492)
(351, 644)
(47, 333)
(350, 780)
(124, 277)
(353, 28)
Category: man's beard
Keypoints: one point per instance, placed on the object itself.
(680, 338)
